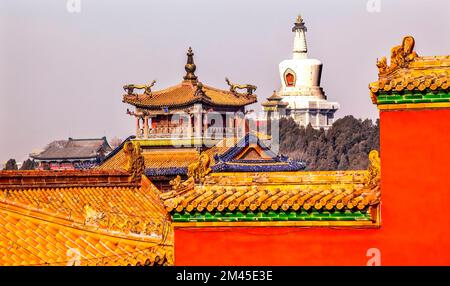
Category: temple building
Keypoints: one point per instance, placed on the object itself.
(300, 87)
(189, 110)
(174, 126)
(72, 154)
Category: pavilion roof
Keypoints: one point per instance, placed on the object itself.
(73, 149)
(185, 94)
(188, 92)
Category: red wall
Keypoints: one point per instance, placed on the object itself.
(415, 228)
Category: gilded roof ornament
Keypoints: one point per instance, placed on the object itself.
(299, 24)
(233, 87)
(135, 161)
(200, 92)
(129, 88)
(401, 56)
(199, 169)
(372, 179)
(190, 66)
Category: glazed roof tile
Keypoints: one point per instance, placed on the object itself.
(101, 220)
(184, 94)
(411, 73)
(289, 191)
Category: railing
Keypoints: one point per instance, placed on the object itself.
(182, 132)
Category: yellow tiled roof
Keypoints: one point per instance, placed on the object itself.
(185, 94)
(423, 72)
(99, 225)
(155, 158)
(162, 156)
(326, 190)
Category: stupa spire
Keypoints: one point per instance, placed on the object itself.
(300, 49)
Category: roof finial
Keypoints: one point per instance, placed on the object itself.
(190, 66)
(299, 24)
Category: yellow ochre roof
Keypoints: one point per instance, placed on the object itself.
(154, 158)
(327, 190)
(410, 72)
(185, 94)
(83, 225)
(424, 72)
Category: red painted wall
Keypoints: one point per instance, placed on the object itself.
(415, 164)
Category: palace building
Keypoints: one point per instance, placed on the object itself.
(301, 96)
(238, 203)
(72, 154)
(189, 110)
(175, 125)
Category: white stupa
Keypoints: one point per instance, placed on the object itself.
(300, 86)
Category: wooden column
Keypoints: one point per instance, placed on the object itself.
(205, 123)
(198, 123)
(146, 127)
(138, 128)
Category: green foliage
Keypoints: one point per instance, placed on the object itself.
(11, 164)
(28, 165)
(345, 146)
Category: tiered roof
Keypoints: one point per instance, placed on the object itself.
(184, 94)
(274, 102)
(188, 92)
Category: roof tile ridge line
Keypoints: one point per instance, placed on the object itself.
(65, 158)
(219, 90)
(103, 138)
(89, 173)
(117, 150)
(228, 92)
(91, 185)
(161, 91)
(98, 232)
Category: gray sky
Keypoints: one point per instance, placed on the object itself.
(61, 73)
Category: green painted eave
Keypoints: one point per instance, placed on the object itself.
(415, 96)
(301, 215)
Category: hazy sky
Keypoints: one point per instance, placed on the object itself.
(61, 73)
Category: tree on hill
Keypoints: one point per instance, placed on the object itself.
(11, 164)
(345, 146)
(28, 165)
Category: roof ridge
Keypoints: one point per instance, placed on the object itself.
(87, 139)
